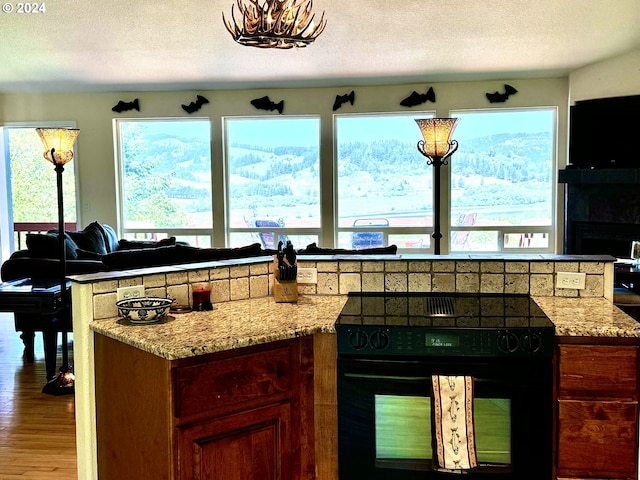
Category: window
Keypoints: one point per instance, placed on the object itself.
(384, 185)
(31, 202)
(165, 179)
(502, 180)
(498, 189)
(273, 180)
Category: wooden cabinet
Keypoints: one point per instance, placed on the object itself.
(244, 414)
(597, 411)
(253, 445)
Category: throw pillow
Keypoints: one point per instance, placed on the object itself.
(110, 237)
(46, 246)
(90, 239)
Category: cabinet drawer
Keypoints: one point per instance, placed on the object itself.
(598, 371)
(204, 387)
(597, 439)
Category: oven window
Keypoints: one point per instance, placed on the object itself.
(492, 418)
(403, 429)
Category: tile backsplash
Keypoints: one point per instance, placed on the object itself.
(340, 276)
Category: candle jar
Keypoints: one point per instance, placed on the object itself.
(202, 298)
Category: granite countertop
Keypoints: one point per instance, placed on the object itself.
(230, 325)
(588, 317)
(242, 323)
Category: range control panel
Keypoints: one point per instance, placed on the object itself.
(444, 342)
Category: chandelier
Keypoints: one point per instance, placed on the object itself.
(275, 23)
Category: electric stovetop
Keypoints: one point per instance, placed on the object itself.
(398, 323)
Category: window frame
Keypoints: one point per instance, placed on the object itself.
(156, 233)
(277, 231)
(502, 230)
(329, 229)
(386, 231)
(6, 202)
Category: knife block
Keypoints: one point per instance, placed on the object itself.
(285, 291)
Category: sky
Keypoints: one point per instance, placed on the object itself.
(274, 131)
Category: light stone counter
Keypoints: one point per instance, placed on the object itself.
(588, 317)
(230, 325)
(260, 320)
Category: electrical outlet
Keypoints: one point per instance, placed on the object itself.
(307, 275)
(570, 280)
(124, 293)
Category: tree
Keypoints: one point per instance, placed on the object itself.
(33, 181)
(145, 186)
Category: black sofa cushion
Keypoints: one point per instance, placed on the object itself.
(313, 249)
(140, 258)
(86, 255)
(173, 255)
(45, 245)
(124, 244)
(45, 268)
(196, 254)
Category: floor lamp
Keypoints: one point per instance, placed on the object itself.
(58, 143)
(437, 146)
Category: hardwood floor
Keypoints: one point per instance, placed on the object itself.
(37, 431)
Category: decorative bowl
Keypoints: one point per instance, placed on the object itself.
(143, 310)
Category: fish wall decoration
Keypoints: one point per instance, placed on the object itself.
(497, 97)
(122, 106)
(265, 103)
(195, 106)
(342, 99)
(418, 98)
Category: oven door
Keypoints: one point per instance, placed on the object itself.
(384, 418)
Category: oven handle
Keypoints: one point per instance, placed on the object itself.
(372, 376)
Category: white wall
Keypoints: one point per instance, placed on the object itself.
(615, 77)
(93, 116)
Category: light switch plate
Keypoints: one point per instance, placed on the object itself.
(135, 291)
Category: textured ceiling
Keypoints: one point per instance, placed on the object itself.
(84, 45)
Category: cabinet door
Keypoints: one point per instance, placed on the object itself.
(597, 439)
(598, 371)
(253, 445)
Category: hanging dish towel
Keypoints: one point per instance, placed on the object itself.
(453, 423)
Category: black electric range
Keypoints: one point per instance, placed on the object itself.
(443, 324)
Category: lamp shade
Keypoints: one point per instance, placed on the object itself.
(437, 135)
(58, 143)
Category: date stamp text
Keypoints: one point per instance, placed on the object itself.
(24, 8)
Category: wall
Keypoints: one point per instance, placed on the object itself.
(613, 77)
(95, 152)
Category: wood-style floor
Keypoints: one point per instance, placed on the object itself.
(37, 431)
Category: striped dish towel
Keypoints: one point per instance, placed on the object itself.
(453, 423)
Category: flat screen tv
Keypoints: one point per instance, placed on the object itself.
(602, 133)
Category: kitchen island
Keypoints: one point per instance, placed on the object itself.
(272, 335)
(240, 294)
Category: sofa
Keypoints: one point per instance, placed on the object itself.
(97, 248)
